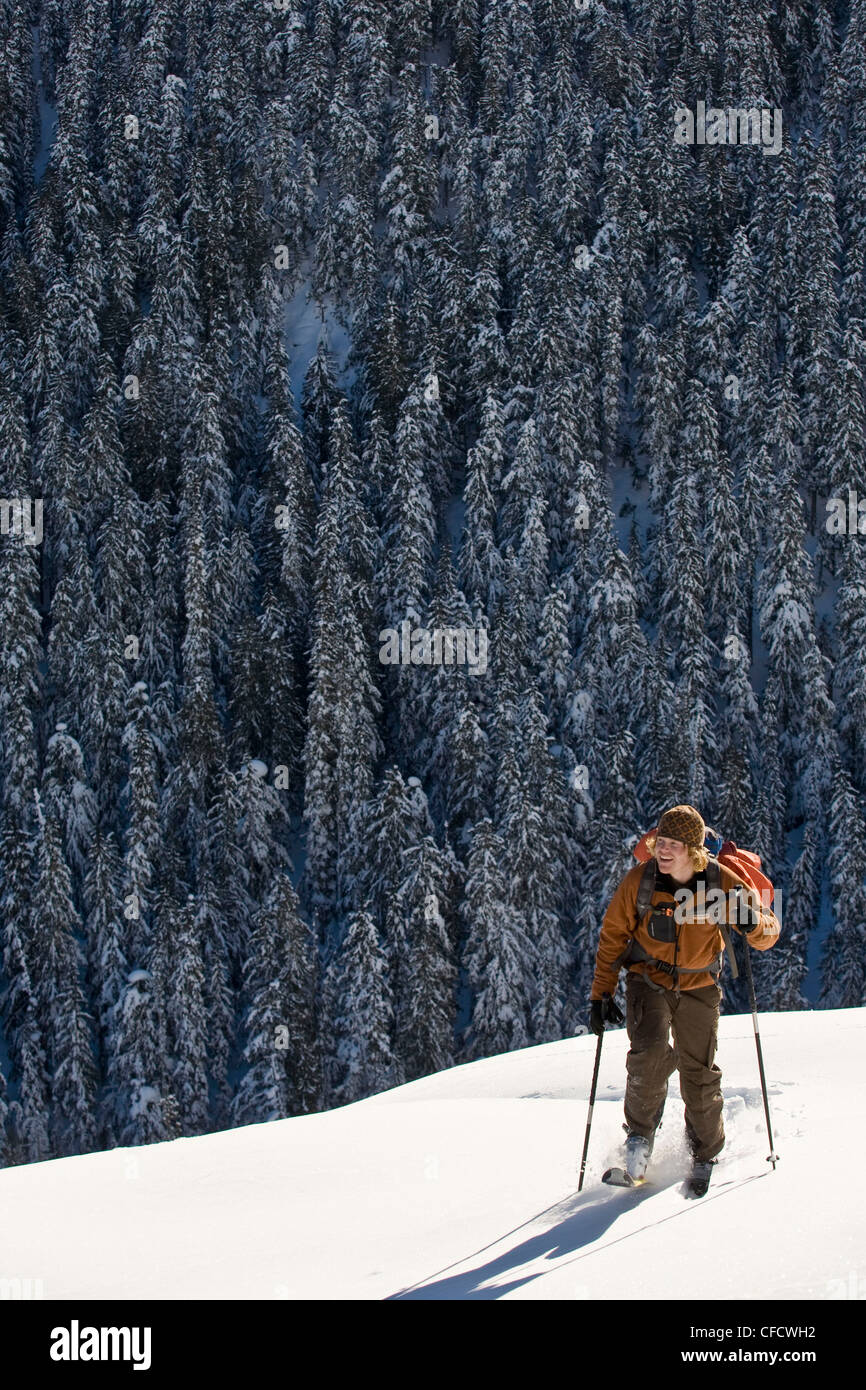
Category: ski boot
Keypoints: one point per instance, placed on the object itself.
(637, 1155)
(702, 1171)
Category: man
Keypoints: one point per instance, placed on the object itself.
(674, 956)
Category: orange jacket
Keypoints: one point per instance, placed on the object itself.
(695, 944)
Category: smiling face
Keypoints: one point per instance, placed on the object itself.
(673, 858)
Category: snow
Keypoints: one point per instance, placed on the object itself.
(462, 1185)
(147, 1096)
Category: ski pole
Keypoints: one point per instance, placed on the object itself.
(772, 1157)
(591, 1104)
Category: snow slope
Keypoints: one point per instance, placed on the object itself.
(463, 1186)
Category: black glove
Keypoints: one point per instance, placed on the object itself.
(603, 1011)
(744, 918)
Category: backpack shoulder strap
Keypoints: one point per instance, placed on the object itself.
(645, 889)
(713, 874)
(643, 902)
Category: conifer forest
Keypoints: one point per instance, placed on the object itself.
(432, 442)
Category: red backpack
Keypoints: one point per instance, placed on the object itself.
(742, 862)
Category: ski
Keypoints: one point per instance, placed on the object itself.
(697, 1186)
(618, 1177)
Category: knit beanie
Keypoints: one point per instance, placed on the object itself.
(683, 823)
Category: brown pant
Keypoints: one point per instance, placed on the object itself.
(693, 1016)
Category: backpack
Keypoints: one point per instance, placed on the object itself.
(742, 862)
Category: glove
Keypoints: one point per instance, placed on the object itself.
(744, 918)
(601, 1011)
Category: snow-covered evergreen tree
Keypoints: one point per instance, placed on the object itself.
(64, 1019)
(362, 1028)
(843, 960)
(498, 953)
(282, 1052)
(425, 1005)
